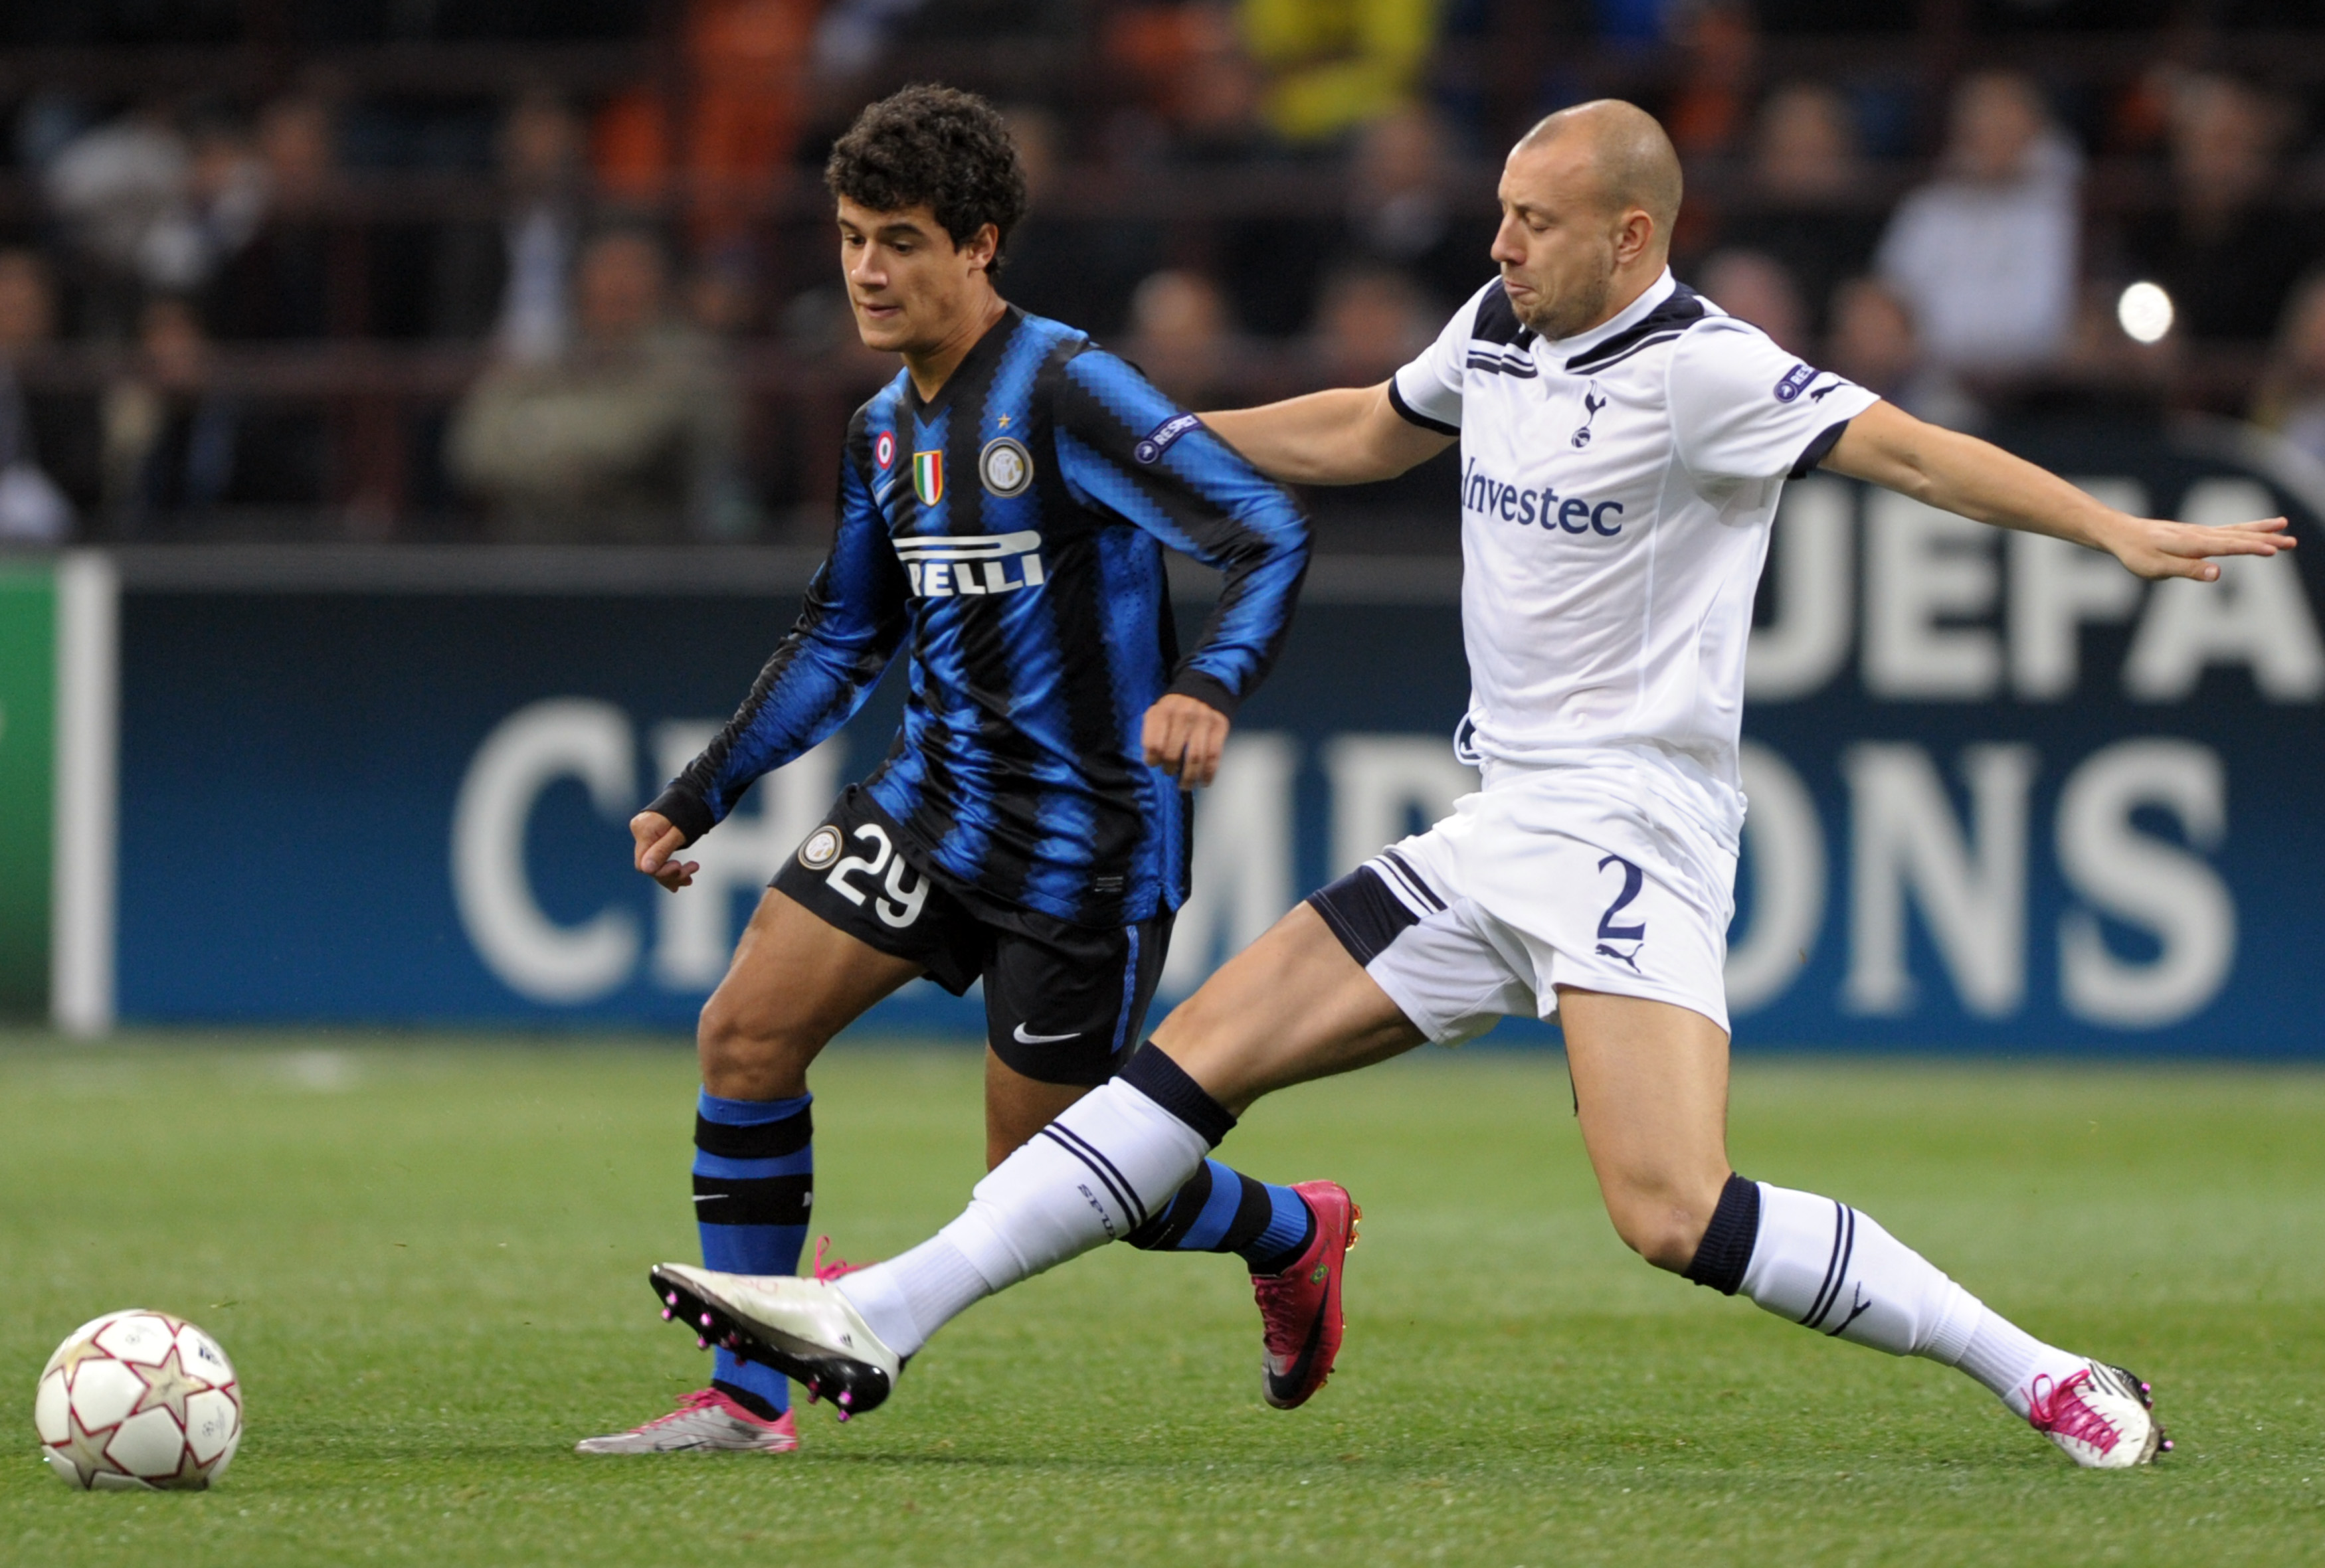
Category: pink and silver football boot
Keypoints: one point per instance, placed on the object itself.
(704, 1422)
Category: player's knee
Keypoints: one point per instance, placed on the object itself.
(1662, 1222)
(745, 1057)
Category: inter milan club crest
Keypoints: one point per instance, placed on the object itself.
(822, 848)
(927, 476)
(1005, 467)
(883, 449)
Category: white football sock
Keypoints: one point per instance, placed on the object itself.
(2007, 1359)
(1823, 1265)
(1086, 1179)
(908, 1297)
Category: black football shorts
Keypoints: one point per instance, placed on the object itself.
(1063, 1003)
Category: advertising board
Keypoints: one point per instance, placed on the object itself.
(2004, 796)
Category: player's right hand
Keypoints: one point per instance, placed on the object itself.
(2156, 547)
(657, 841)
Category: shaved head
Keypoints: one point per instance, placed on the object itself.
(1632, 160)
(1587, 201)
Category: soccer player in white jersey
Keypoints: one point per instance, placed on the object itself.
(1623, 442)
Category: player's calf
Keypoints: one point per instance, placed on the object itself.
(754, 1191)
(1834, 1271)
(1092, 1177)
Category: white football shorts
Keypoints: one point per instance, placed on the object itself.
(1552, 882)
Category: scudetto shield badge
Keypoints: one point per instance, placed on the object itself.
(1005, 467)
(927, 476)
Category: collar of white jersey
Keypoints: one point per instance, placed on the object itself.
(1571, 348)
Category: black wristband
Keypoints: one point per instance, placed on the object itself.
(1205, 690)
(685, 811)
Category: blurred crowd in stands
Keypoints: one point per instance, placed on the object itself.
(561, 270)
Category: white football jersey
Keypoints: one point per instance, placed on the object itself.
(1616, 490)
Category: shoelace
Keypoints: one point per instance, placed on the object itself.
(2059, 1409)
(688, 1404)
(833, 1269)
(1282, 1337)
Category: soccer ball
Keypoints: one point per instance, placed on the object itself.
(138, 1401)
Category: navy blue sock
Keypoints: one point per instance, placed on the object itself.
(754, 1185)
(1222, 1210)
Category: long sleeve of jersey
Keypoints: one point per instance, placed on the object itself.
(857, 608)
(1127, 449)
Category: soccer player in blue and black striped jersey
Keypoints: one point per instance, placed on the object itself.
(1003, 507)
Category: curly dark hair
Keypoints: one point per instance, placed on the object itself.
(934, 147)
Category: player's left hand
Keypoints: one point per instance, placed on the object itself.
(2153, 547)
(1185, 737)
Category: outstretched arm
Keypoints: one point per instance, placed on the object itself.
(1944, 469)
(1348, 436)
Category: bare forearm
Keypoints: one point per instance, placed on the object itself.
(1348, 436)
(1960, 473)
(1978, 480)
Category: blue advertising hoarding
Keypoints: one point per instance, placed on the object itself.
(2004, 796)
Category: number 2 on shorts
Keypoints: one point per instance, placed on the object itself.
(1634, 880)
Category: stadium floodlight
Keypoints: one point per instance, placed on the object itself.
(2144, 312)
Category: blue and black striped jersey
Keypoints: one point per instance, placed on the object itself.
(1010, 530)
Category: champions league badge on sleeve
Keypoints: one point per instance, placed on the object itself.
(1005, 467)
(1158, 440)
(1796, 382)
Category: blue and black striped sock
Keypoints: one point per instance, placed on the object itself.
(1222, 1210)
(754, 1185)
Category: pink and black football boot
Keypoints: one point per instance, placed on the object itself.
(1300, 1308)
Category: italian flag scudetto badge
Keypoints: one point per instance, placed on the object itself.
(927, 476)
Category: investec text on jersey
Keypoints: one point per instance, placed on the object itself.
(1488, 497)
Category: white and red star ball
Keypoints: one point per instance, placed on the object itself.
(138, 1400)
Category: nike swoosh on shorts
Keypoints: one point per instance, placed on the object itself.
(1023, 1039)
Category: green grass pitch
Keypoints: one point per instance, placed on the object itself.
(427, 1259)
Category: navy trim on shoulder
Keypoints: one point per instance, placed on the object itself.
(1817, 450)
(1520, 366)
(1667, 320)
(1414, 416)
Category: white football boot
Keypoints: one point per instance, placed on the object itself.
(803, 1328)
(2103, 1417)
(704, 1422)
